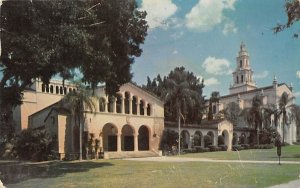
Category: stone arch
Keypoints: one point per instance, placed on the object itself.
(43, 87)
(51, 88)
(102, 104)
(198, 138)
(127, 138)
(226, 137)
(143, 139)
(47, 88)
(110, 106)
(61, 90)
(235, 138)
(109, 136)
(142, 104)
(243, 138)
(185, 139)
(56, 89)
(149, 109)
(119, 103)
(212, 136)
(134, 105)
(127, 102)
(225, 128)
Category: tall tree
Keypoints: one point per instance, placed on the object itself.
(40, 39)
(254, 115)
(180, 94)
(284, 105)
(214, 98)
(79, 101)
(232, 113)
(192, 107)
(292, 10)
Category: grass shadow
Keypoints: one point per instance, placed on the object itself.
(20, 171)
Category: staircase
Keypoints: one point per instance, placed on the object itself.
(130, 154)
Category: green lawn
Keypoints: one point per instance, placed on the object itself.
(122, 173)
(288, 153)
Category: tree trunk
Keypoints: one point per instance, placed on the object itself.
(179, 133)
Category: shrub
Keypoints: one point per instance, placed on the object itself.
(245, 146)
(213, 148)
(237, 148)
(220, 140)
(34, 145)
(223, 147)
(207, 140)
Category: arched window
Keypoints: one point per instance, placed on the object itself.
(127, 96)
(214, 109)
(237, 79)
(241, 63)
(102, 104)
(61, 90)
(111, 104)
(148, 110)
(47, 88)
(142, 107)
(43, 87)
(70, 90)
(119, 103)
(51, 88)
(57, 90)
(242, 78)
(134, 105)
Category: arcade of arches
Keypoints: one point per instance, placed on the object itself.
(206, 135)
(126, 138)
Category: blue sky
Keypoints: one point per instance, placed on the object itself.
(199, 33)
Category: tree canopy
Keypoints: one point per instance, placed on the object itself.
(292, 10)
(182, 91)
(43, 38)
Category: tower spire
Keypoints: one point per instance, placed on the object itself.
(243, 74)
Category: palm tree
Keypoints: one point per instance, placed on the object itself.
(78, 101)
(180, 95)
(214, 98)
(284, 104)
(254, 115)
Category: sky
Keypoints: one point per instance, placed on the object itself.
(204, 36)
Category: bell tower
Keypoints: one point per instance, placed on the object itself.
(243, 74)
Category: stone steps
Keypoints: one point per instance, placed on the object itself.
(129, 154)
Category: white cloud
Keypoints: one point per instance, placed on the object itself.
(261, 75)
(158, 12)
(177, 35)
(216, 66)
(175, 52)
(211, 81)
(207, 13)
(229, 28)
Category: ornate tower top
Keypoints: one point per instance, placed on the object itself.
(243, 74)
(243, 50)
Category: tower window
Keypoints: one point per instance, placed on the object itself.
(241, 63)
(242, 78)
(237, 79)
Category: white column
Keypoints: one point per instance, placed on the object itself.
(136, 144)
(115, 105)
(119, 142)
(123, 104)
(130, 105)
(137, 106)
